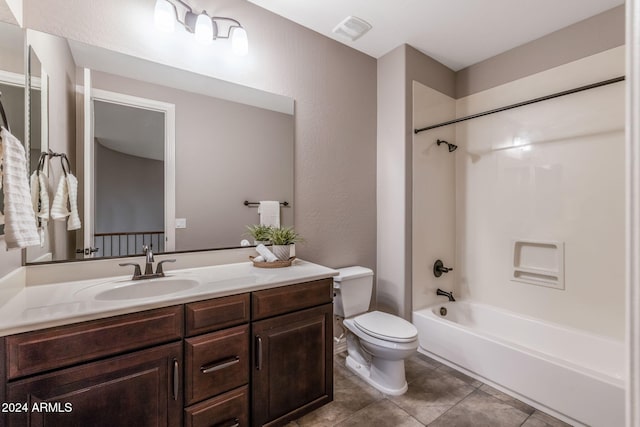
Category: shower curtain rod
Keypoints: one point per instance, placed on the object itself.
(522, 104)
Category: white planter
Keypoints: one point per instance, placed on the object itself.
(282, 252)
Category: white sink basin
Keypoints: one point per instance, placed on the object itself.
(147, 288)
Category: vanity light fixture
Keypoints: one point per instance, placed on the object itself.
(205, 28)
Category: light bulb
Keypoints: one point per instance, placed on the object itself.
(239, 41)
(204, 29)
(164, 16)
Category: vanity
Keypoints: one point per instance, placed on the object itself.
(244, 346)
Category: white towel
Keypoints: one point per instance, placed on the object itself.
(74, 219)
(59, 211)
(40, 195)
(66, 194)
(20, 225)
(266, 253)
(40, 202)
(269, 213)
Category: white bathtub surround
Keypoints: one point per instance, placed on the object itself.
(548, 172)
(572, 374)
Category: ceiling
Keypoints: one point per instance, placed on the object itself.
(457, 33)
(129, 130)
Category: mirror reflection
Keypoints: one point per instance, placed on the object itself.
(12, 83)
(164, 157)
(129, 164)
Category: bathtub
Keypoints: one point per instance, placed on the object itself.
(576, 376)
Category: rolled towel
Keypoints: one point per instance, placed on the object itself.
(74, 219)
(266, 253)
(259, 258)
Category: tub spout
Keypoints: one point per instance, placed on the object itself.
(446, 294)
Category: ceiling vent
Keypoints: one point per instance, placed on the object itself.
(352, 28)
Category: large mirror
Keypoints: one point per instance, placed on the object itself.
(163, 157)
(12, 83)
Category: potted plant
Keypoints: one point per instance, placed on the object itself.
(282, 239)
(260, 233)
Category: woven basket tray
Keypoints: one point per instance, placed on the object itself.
(274, 264)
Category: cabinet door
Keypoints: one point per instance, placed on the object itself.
(138, 389)
(293, 365)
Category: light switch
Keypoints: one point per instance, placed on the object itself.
(181, 222)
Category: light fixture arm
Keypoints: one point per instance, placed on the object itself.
(229, 28)
(185, 5)
(204, 27)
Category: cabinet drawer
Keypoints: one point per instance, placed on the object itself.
(215, 314)
(286, 299)
(229, 409)
(216, 362)
(39, 351)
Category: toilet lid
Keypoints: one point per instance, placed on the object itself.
(386, 326)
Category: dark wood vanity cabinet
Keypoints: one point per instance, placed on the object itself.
(260, 358)
(109, 372)
(138, 389)
(292, 371)
(217, 362)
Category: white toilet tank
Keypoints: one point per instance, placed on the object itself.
(353, 288)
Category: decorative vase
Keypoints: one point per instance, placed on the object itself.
(282, 252)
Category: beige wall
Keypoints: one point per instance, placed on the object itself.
(334, 88)
(397, 71)
(590, 36)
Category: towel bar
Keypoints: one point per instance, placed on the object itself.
(256, 204)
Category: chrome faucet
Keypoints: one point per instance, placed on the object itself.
(446, 294)
(148, 266)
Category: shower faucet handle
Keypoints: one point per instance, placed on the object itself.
(439, 268)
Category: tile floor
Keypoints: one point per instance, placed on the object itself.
(438, 396)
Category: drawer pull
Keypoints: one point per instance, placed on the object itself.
(233, 422)
(258, 352)
(176, 379)
(220, 365)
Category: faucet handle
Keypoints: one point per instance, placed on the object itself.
(136, 272)
(159, 268)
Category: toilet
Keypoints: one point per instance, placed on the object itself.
(377, 342)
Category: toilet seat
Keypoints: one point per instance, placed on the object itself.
(386, 327)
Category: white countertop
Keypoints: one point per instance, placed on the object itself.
(37, 307)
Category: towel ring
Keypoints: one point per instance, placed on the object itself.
(63, 160)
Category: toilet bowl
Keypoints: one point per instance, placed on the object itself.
(377, 342)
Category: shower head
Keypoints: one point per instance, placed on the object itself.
(452, 147)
